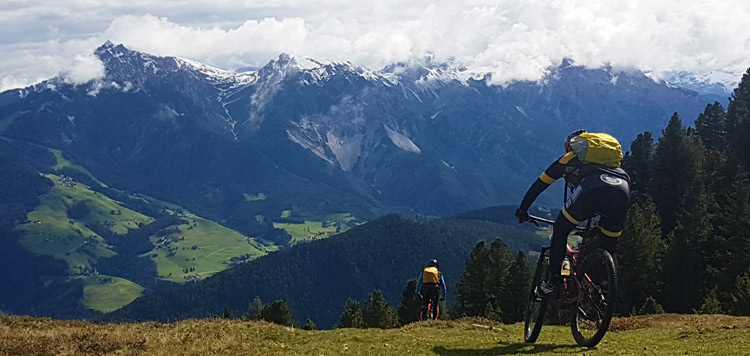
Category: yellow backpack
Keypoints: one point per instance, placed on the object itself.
(430, 275)
(599, 148)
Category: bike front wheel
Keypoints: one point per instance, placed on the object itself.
(591, 315)
(536, 306)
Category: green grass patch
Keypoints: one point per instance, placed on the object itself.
(106, 294)
(50, 231)
(669, 335)
(255, 197)
(309, 231)
(316, 230)
(62, 162)
(202, 248)
(286, 214)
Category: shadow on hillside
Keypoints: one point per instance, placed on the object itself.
(510, 349)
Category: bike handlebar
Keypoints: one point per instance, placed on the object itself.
(536, 219)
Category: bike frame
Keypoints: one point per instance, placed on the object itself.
(575, 257)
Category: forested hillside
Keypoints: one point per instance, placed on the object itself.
(687, 242)
(317, 278)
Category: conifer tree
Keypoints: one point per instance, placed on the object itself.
(711, 127)
(650, 306)
(410, 306)
(738, 121)
(711, 304)
(377, 313)
(280, 313)
(471, 290)
(639, 254)
(309, 325)
(256, 309)
(227, 312)
(352, 315)
(500, 265)
(676, 163)
(638, 163)
(518, 286)
(741, 296)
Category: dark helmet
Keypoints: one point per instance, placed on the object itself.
(570, 137)
(432, 263)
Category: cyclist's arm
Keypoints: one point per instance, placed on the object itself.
(554, 172)
(445, 288)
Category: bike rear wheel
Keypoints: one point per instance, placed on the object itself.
(591, 315)
(536, 306)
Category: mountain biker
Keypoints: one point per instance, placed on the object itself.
(596, 189)
(428, 286)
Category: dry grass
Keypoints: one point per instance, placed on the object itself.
(653, 335)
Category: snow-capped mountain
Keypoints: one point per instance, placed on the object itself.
(318, 136)
(715, 83)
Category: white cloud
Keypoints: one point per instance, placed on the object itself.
(514, 39)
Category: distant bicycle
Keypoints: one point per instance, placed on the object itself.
(589, 291)
(432, 311)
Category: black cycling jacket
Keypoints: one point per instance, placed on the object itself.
(573, 170)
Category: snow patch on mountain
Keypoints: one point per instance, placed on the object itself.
(712, 82)
(217, 75)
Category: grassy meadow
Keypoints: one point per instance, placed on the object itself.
(50, 231)
(315, 230)
(666, 334)
(106, 293)
(202, 248)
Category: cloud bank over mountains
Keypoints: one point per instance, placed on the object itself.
(513, 39)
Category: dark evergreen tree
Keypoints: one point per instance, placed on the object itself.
(518, 285)
(279, 312)
(410, 305)
(309, 325)
(471, 290)
(650, 306)
(377, 313)
(677, 162)
(256, 309)
(498, 272)
(352, 315)
(741, 296)
(682, 273)
(711, 127)
(639, 255)
(638, 163)
(738, 121)
(711, 304)
(227, 312)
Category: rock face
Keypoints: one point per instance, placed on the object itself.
(319, 137)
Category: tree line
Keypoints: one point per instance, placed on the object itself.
(686, 245)
(493, 285)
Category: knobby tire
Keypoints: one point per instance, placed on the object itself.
(591, 315)
(536, 306)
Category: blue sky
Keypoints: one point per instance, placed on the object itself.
(514, 39)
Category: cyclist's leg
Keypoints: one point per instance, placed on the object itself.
(563, 227)
(613, 207)
(425, 299)
(575, 212)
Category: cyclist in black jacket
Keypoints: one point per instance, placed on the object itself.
(596, 190)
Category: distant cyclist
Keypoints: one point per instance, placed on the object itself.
(431, 287)
(598, 186)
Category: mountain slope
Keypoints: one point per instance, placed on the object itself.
(317, 278)
(319, 137)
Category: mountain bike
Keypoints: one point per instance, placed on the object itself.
(432, 312)
(588, 292)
